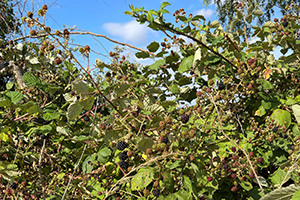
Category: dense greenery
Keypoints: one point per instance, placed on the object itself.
(214, 118)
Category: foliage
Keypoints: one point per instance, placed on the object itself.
(215, 118)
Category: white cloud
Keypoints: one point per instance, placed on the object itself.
(207, 13)
(130, 32)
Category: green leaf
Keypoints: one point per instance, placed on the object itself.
(296, 195)
(4, 137)
(121, 89)
(279, 176)
(30, 79)
(88, 103)
(14, 96)
(4, 102)
(174, 89)
(258, 12)
(74, 111)
(246, 185)
(215, 24)
(150, 17)
(153, 46)
(285, 193)
(296, 111)
(164, 4)
(187, 183)
(142, 54)
(9, 85)
(80, 87)
(103, 155)
(186, 64)
(281, 117)
(168, 181)
(266, 84)
(51, 116)
(155, 66)
(142, 179)
(145, 144)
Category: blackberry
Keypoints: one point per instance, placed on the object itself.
(123, 155)
(121, 145)
(285, 23)
(185, 118)
(275, 129)
(13, 185)
(284, 136)
(43, 136)
(164, 140)
(86, 118)
(124, 164)
(156, 192)
(221, 86)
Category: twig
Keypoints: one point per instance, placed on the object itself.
(235, 144)
(88, 33)
(40, 168)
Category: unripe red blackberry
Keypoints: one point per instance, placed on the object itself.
(33, 32)
(233, 149)
(251, 176)
(45, 7)
(156, 184)
(251, 154)
(209, 179)
(259, 160)
(57, 61)
(234, 189)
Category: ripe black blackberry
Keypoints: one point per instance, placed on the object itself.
(43, 136)
(121, 145)
(221, 85)
(124, 164)
(185, 118)
(275, 129)
(156, 192)
(123, 155)
(86, 118)
(164, 140)
(13, 185)
(285, 23)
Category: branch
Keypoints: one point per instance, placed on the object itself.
(87, 33)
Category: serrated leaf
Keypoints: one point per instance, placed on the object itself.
(186, 64)
(164, 4)
(142, 179)
(103, 155)
(150, 17)
(80, 87)
(174, 89)
(51, 116)
(153, 46)
(215, 24)
(30, 79)
(142, 54)
(284, 193)
(296, 111)
(14, 96)
(250, 9)
(279, 176)
(74, 110)
(262, 181)
(187, 183)
(87, 103)
(4, 102)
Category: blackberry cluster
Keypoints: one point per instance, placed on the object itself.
(121, 145)
(164, 140)
(123, 155)
(221, 85)
(156, 192)
(185, 118)
(124, 164)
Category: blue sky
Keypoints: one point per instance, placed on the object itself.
(107, 17)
